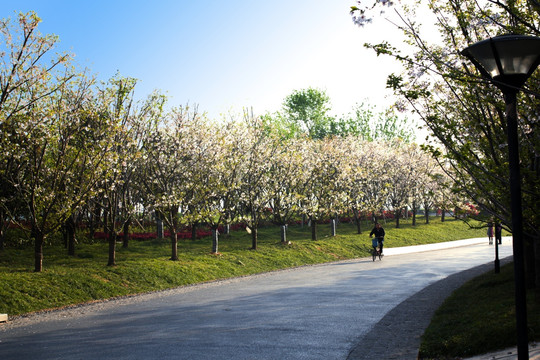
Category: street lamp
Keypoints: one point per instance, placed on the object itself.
(508, 61)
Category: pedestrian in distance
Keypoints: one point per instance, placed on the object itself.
(378, 231)
(498, 233)
(490, 233)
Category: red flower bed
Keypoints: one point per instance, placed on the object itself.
(184, 234)
(148, 236)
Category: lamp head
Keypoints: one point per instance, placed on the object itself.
(506, 60)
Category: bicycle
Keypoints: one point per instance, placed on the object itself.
(375, 252)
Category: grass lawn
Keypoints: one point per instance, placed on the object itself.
(479, 318)
(145, 266)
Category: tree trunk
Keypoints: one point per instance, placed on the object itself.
(397, 214)
(91, 226)
(357, 219)
(254, 229)
(70, 233)
(64, 232)
(254, 237)
(174, 233)
(159, 225)
(108, 227)
(95, 213)
(174, 245)
(125, 242)
(215, 240)
(105, 221)
(194, 231)
(426, 213)
(414, 213)
(112, 248)
(38, 249)
(3, 225)
(313, 229)
(536, 244)
(443, 214)
(283, 234)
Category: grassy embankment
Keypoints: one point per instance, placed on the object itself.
(145, 266)
(479, 318)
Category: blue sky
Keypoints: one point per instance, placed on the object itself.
(222, 55)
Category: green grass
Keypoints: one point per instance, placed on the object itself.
(478, 318)
(145, 266)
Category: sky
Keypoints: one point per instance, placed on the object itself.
(223, 56)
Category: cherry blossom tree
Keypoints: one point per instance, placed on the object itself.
(167, 165)
(256, 174)
(324, 194)
(425, 183)
(23, 73)
(24, 69)
(54, 143)
(358, 174)
(337, 160)
(218, 155)
(399, 178)
(64, 153)
(376, 183)
(115, 103)
(364, 11)
(286, 184)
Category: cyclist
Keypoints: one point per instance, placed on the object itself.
(378, 231)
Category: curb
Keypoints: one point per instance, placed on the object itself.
(439, 246)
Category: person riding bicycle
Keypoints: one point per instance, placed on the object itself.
(378, 231)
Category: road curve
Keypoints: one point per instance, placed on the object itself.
(312, 312)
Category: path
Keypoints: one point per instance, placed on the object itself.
(313, 312)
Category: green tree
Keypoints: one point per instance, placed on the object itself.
(306, 112)
(376, 126)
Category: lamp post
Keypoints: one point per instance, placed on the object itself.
(508, 61)
(497, 262)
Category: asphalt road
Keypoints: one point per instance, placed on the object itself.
(312, 312)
